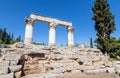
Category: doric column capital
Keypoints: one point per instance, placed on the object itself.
(29, 21)
(52, 25)
(70, 29)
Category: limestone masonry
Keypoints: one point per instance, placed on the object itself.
(36, 61)
(52, 26)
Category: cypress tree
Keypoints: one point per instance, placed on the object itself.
(104, 24)
(12, 36)
(19, 38)
(91, 43)
(0, 33)
(7, 38)
(4, 36)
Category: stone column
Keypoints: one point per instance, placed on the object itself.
(52, 34)
(29, 30)
(70, 36)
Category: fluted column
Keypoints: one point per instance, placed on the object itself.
(52, 34)
(29, 30)
(70, 36)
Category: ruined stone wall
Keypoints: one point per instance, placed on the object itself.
(28, 61)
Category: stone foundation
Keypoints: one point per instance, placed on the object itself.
(28, 61)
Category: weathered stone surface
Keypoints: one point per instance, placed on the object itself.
(30, 46)
(58, 71)
(110, 70)
(117, 65)
(18, 45)
(15, 68)
(4, 63)
(52, 60)
(87, 63)
(47, 75)
(87, 67)
(10, 75)
(4, 70)
(53, 75)
(18, 74)
(118, 71)
(91, 71)
(83, 46)
(55, 65)
(103, 70)
(75, 71)
(38, 51)
(13, 57)
(4, 46)
(56, 57)
(12, 63)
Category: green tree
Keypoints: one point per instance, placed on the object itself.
(43, 43)
(91, 43)
(76, 44)
(115, 47)
(12, 36)
(7, 38)
(18, 38)
(4, 34)
(13, 41)
(104, 24)
(1, 33)
(1, 42)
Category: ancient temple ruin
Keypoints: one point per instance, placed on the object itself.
(53, 23)
(35, 61)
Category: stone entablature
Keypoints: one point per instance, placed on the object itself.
(53, 23)
(49, 20)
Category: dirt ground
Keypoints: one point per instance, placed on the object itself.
(100, 75)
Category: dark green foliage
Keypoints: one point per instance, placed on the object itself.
(43, 43)
(12, 37)
(1, 42)
(104, 24)
(115, 47)
(38, 43)
(91, 43)
(18, 38)
(76, 44)
(13, 41)
(7, 38)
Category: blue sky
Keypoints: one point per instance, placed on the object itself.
(13, 12)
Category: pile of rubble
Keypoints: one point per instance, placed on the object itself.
(28, 61)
